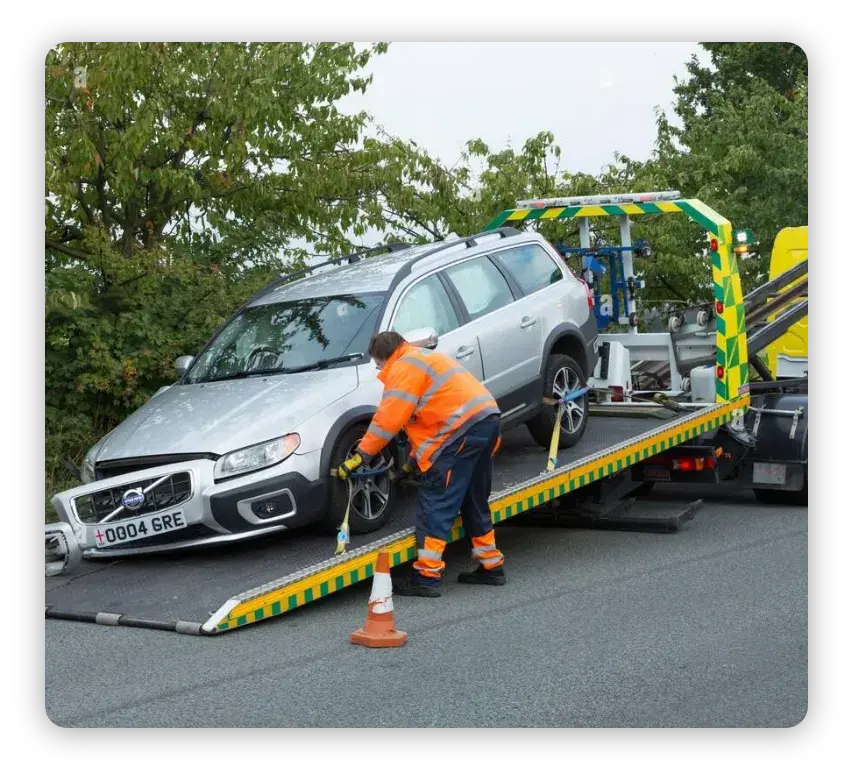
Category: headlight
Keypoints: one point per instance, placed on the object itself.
(260, 456)
(87, 474)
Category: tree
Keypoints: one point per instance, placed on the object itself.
(201, 144)
(740, 144)
(178, 177)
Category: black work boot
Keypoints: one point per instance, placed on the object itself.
(483, 576)
(416, 586)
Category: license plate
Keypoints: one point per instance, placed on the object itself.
(655, 473)
(141, 528)
(769, 473)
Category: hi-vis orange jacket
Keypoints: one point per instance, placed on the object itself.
(433, 398)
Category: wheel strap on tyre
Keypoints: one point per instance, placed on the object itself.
(343, 529)
(561, 403)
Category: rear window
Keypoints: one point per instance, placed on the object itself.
(531, 266)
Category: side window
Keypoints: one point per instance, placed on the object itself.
(481, 286)
(426, 305)
(531, 266)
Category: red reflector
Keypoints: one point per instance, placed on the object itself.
(720, 372)
(589, 299)
(618, 393)
(714, 244)
(710, 461)
(719, 307)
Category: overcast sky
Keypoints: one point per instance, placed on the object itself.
(597, 98)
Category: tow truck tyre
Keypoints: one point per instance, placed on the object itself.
(796, 498)
(373, 498)
(562, 373)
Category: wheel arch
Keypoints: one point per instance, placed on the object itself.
(352, 417)
(568, 340)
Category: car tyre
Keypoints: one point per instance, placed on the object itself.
(561, 372)
(373, 498)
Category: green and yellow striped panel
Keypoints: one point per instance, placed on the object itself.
(732, 355)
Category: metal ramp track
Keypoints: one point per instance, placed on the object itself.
(198, 593)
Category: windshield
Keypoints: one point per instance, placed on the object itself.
(289, 336)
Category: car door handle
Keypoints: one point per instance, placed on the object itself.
(464, 352)
(527, 322)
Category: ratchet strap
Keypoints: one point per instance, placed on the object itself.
(555, 435)
(343, 529)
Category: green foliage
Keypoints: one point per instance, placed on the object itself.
(740, 144)
(177, 177)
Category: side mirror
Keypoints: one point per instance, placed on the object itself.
(183, 363)
(422, 338)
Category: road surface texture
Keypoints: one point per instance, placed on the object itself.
(703, 628)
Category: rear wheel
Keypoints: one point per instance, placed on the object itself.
(562, 374)
(372, 497)
(795, 498)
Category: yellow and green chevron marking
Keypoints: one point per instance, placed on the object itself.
(731, 331)
(354, 570)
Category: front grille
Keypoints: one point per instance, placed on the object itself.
(161, 493)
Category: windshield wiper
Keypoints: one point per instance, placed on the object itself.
(284, 370)
(322, 363)
(238, 375)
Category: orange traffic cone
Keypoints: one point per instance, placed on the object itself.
(379, 629)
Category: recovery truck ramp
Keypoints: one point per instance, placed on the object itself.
(216, 590)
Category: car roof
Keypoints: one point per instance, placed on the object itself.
(376, 274)
(369, 275)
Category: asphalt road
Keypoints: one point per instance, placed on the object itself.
(703, 628)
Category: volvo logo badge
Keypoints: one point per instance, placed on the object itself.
(133, 499)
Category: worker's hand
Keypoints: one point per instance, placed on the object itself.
(349, 466)
(406, 475)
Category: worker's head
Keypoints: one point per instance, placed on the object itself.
(383, 345)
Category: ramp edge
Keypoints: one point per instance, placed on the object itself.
(319, 580)
(114, 619)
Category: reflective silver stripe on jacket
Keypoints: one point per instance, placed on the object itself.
(380, 432)
(462, 430)
(404, 395)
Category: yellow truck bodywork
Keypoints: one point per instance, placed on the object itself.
(789, 249)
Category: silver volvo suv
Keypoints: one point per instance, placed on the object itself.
(242, 444)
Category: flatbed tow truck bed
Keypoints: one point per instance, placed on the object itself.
(213, 590)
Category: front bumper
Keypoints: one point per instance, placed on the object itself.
(288, 495)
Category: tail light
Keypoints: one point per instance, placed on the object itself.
(589, 300)
(693, 464)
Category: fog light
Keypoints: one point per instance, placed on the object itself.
(273, 506)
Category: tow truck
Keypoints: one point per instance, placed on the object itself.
(701, 425)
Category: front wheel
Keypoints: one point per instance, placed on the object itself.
(372, 497)
(562, 375)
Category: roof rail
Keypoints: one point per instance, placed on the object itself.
(438, 247)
